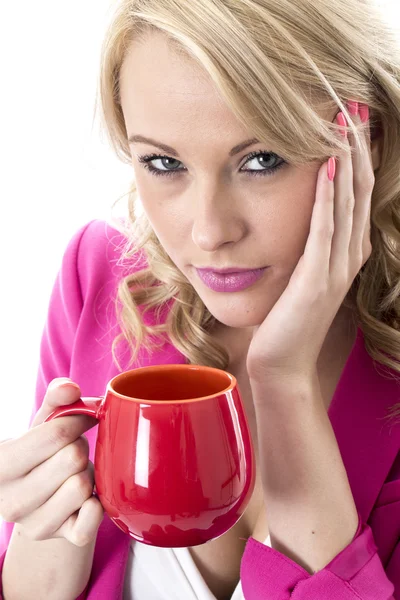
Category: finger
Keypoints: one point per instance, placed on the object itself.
(364, 181)
(81, 528)
(60, 391)
(318, 247)
(343, 209)
(367, 242)
(42, 523)
(22, 454)
(26, 494)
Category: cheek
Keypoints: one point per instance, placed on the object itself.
(169, 223)
(167, 220)
(289, 225)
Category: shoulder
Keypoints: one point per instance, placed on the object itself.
(99, 248)
(100, 242)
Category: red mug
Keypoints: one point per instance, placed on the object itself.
(174, 461)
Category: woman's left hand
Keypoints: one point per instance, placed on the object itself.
(289, 340)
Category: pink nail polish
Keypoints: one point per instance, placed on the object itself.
(352, 107)
(341, 119)
(331, 168)
(364, 113)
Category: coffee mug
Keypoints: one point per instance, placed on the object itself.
(174, 461)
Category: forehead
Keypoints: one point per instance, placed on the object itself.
(161, 88)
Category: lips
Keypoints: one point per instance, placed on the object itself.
(226, 271)
(230, 280)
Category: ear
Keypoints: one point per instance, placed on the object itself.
(376, 145)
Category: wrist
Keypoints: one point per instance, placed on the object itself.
(284, 388)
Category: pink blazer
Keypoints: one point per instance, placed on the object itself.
(76, 343)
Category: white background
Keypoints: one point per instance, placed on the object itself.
(57, 171)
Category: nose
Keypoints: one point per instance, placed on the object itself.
(216, 221)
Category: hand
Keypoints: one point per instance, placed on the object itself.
(46, 479)
(289, 340)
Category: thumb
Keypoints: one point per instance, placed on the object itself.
(60, 392)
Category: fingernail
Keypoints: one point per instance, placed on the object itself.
(69, 384)
(341, 119)
(331, 168)
(364, 112)
(352, 107)
(63, 382)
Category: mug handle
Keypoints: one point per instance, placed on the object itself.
(91, 406)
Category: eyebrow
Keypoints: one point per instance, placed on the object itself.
(140, 139)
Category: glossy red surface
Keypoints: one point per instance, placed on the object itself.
(178, 470)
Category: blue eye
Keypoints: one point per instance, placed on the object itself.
(147, 159)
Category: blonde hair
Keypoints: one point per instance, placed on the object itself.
(272, 62)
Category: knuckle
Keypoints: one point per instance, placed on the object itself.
(349, 204)
(13, 512)
(59, 434)
(78, 538)
(83, 484)
(85, 443)
(325, 232)
(368, 181)
(77, 455)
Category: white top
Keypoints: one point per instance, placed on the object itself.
(154, 573)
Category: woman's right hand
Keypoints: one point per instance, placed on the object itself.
(46, 478)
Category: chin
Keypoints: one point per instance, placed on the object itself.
(237, 321)
(239, 312)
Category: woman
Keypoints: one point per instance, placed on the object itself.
(199, 98)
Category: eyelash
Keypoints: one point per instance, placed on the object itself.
(147, 158)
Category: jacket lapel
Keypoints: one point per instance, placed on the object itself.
(368, 444)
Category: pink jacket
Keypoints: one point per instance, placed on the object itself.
(76, 343)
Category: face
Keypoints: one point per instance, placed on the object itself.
(210, 209)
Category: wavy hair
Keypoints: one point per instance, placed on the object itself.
(305, 54)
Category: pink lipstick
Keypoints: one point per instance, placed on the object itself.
(230, 280)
